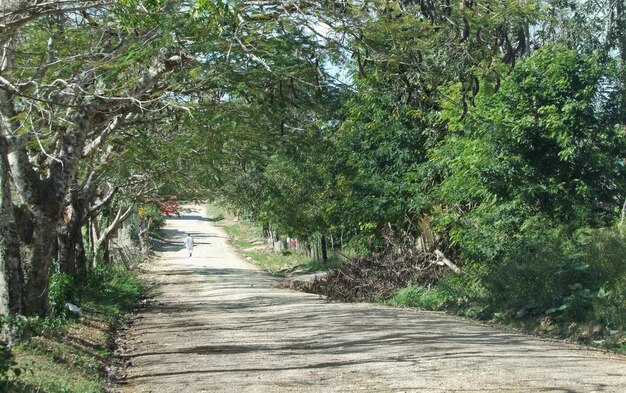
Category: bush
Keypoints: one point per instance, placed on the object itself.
(420, 297)
(61, 290)
(605, 250)
(5, 363)
(570, 276)
(8, 366)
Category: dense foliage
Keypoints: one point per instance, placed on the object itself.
(509, 159)
(491, 132)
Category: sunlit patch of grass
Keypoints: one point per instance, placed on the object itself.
(44, 372)
(419, 297)
(282, 264)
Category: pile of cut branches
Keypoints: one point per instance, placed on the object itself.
(375, 277)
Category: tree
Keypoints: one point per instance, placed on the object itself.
(81, 92)
(100, 62)
(545, 146)
(11, 274)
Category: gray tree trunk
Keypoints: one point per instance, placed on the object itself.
(7, 225)
(46, 199)
(71, 251)
(11, 268)
(11, 274)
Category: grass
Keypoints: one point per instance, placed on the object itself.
(419, 297)
(443, 298)
(247, 237)
(70, 354)
(52, 364)
(282, 264)
(111, 292)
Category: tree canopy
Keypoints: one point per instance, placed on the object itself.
(470, 122)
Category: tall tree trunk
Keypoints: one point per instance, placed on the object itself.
(11, 273)
(144, 234)
(71, 250)
(81, 258)
(65, 248)
(39, 269)
(94, 234)
(46, 200)
(11, 269)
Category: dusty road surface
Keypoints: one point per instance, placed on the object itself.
(219, 325)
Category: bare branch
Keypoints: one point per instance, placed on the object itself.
(98, 141)
(252, 56)
(96, 208)
(442, 260)
(120, 217)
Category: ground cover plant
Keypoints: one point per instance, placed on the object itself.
(69, 352)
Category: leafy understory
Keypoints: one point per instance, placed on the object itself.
(69, 352)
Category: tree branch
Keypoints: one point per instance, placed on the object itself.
(96, 208)
(442, 260)
(120, 217)
(100, 139)
(15, 14)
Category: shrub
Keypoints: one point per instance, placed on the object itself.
(6, 363)
(8, 366)
(61, 290)
(605, 251)
(420, 297)
(570, 276)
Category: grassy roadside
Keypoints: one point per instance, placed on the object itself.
(247, 237)
(442, 298)
(71, 354)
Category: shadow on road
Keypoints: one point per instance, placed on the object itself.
(174, 240)
(187, 217)
(312, 328)
(223, 327)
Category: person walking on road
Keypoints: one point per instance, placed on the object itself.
(189, 244)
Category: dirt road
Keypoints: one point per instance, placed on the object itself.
(219, 325)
